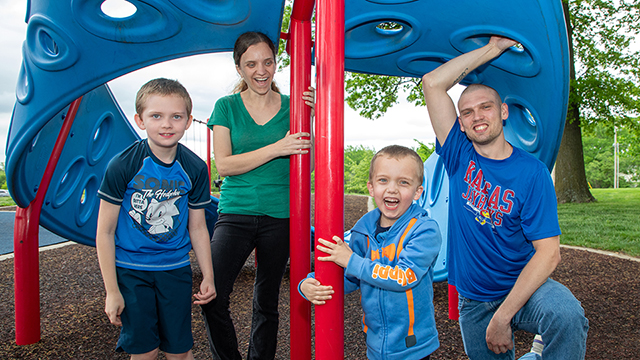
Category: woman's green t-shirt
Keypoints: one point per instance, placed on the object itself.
(265, 189)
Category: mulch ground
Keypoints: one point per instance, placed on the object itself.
(74, 325)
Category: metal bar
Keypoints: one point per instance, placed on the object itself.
(25, 245)
(300, 192)
(329, 180)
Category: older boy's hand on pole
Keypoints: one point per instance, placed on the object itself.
(315, 292)
(339, 252)
(207, 292)
(114, 305)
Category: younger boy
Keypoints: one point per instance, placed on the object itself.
(394, 249)
(152, 204)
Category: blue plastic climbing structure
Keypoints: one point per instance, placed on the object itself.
(73, 49)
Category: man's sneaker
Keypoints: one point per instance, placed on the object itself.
(538, 345)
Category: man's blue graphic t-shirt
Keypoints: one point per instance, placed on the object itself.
(496, 209)
(152, 230)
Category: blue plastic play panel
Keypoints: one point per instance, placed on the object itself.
(73, 49)
(410, 38)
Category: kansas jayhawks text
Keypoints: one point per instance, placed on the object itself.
(487, 202)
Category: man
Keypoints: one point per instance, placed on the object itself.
(504, 229)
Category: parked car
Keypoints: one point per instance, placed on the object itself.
(4, 192)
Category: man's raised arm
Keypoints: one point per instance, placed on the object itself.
(435, 84)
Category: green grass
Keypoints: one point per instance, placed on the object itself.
(612, 223)
(6, 201)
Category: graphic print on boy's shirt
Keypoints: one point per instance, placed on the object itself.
(486, 202)
(153, 206)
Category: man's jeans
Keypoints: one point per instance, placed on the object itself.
(552, 311)
(234, 238)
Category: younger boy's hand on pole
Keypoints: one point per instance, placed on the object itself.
(339, 252)
(315, 292)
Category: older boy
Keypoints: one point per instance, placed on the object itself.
(152, 204)
(394, 249)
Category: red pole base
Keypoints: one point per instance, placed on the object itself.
(453, 303)
(26, 276)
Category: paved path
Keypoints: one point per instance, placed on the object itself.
(6, 233)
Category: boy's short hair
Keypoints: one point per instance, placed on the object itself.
(162, 87)
(399, 152)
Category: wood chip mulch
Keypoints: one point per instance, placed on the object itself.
(74, 326)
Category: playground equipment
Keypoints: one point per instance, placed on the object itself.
(72, 49)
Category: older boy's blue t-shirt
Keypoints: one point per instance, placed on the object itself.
(497, 208)
(154, 198)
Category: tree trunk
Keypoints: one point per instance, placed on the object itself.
(570, 178)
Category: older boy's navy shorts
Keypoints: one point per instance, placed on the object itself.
(157, 310)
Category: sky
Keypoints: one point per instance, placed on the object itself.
(207, 78)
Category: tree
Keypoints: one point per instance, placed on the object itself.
(604, 84)
(3, 177)
(599, 159)
(424, 150)
(356, 169)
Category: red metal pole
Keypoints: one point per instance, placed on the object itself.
(453, 303)
(25, 246)
(300, 180)
(208, 152)
(300, 192)
(329, 181)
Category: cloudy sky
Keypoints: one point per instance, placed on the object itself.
(206, 77)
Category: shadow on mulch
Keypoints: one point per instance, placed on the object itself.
(74, 325)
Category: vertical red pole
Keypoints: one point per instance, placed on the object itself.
(329, 181)
(453, 303)
(26, 267)
(208, 152)
(300, 192)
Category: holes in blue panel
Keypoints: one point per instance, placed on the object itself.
(220, 12)
(118, 9)
(102, 134)
(48, 44)
(436, 182)
(522, 127)
(376, 34)
(521, 59)
(24, 88)
(34, 142)
(389, 28)
(49, 47)
(421, 63)
(88, 200)
(149, 23)
(68, 182)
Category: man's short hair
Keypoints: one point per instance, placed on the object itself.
(475, 87)
(162, 87)
(399, 152)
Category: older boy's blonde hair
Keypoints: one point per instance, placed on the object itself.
(399, 152)
(162, 87)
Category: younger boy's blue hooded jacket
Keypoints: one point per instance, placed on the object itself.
(396, 282)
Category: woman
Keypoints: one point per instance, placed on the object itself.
(251, 144)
